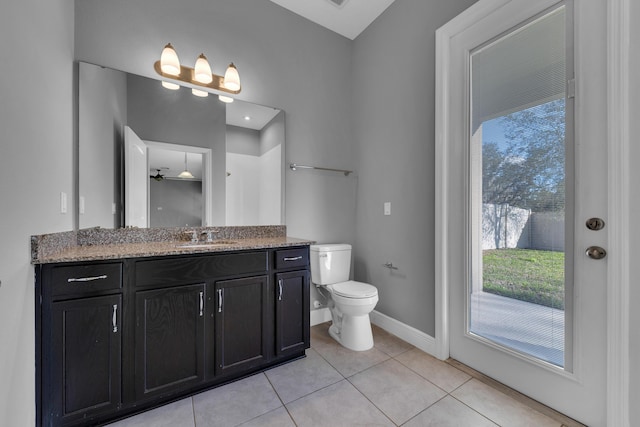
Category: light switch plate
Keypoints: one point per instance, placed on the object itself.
(63, 202)
(387, 208)
(81, 207)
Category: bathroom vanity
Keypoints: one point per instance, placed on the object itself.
(154, 322)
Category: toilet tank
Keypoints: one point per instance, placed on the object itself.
(330, 263)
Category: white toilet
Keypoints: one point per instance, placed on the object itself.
(350, 302)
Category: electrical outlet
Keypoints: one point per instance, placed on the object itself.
(387, 208)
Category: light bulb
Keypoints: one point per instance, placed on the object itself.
(203, 70)
(200, 93)
(232, 78)
(169, 85)
(169, 62)
(225, 99)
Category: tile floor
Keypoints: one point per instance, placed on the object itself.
(393, 384)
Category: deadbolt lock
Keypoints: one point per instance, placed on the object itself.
(596, 252)
(595, 224)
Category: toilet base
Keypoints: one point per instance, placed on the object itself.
(355, 333)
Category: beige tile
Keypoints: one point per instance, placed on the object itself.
(276, 418)
(449, 412)
(396, 390)
(337, 405)
(389, 343)
(303, 376)
(235, 403)
(349, 362)
(438, 372)
(174, 414)
(320, 335)
(499, 407)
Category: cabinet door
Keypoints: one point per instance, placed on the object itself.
(292, 312)
(241, 321)
(169, 339)
(86, 358)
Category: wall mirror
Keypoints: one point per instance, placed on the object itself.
(234, 151)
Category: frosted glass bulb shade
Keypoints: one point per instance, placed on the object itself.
(200, 93)
(225, 99)
(169, 62)
(202, 72)
(185, 174)
(172, 86)
(232, 78)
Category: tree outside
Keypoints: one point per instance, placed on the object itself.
(525, 170)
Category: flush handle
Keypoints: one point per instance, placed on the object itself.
(596, 252)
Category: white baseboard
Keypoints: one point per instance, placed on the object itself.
(419, 339)
(408, 333)
(320, 315)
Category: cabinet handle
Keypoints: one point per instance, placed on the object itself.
(219, 300)
(294, 258)
(86, 279)
(201, 303)
(114, 318)
(280, 290)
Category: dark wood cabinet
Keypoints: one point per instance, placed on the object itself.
(292, 312)
(118, 337)
(85, 367)
(241, 318)
(169, 339)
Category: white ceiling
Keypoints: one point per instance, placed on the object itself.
(349, 20)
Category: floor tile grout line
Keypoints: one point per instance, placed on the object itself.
(474, 409)
(284, 405)
(434, 403)
(193, 411)
(427, 379)
(376, 406)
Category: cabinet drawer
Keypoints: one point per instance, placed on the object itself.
(289, 258)
(84, 279)
(185, 270)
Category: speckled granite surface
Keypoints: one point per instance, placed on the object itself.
(101, 244)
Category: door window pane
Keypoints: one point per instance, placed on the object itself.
(518, 189)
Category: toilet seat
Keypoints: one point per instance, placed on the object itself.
(353, 289)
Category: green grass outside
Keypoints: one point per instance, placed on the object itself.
(525, 274)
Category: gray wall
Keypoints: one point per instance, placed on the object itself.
(284, 61)
(393, 114)
(243, 141)
(272, 134)
(36, 145)
(175, 203)
(634, 274)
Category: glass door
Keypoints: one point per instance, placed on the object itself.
(520, 190)
(525, 170)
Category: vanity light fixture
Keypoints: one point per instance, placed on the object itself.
(185, 173)
(226, 99)
(169, 68)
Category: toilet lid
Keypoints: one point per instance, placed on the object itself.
(352, 289)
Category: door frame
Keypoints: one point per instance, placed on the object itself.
(618, 187)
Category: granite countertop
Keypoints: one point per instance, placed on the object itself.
(100, 244)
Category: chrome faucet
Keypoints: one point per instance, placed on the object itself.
(194, 236)
(210, 234)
